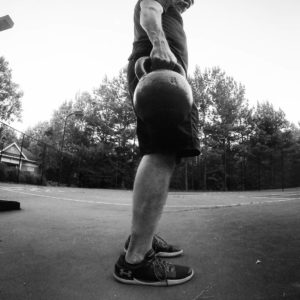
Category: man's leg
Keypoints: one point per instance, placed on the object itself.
(149, 197)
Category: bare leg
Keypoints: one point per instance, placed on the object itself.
(149, 197)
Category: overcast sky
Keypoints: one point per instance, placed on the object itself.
(59, 48)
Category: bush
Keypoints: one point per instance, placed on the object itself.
(93, 179)
(2, 172)
(30, 178)
(10, 174)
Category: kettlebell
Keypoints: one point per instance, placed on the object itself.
(163, 98)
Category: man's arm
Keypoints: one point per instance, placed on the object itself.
(151, 21)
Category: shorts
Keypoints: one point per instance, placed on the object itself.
(183, 140)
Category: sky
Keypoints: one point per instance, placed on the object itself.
(58, 49)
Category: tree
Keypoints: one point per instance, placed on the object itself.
(110, 120)
(266, 144)
(99, 148)
(241, 147)
(10, 94)
(223, 113)
(7, 136)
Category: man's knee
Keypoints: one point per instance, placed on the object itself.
(162, 160)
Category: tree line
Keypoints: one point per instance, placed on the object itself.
(242, 147)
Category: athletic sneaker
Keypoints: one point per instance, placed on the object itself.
(151, 271)
(161, 247)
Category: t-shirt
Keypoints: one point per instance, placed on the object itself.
(173, 28)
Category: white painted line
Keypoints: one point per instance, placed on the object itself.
(278, 196)
(278, 200)
(234, 204)
(64, 199)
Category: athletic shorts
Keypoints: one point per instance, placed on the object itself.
(183, 140)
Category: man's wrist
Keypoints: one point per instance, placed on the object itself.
(160, 43)
(157, 37)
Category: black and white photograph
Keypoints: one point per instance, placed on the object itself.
(149, 150)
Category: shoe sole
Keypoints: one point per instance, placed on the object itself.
(168, 282)
(169, 254)
(166, 254)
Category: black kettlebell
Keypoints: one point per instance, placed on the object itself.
(162, 98)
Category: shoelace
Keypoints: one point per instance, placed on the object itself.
(159, 242)
(161, 269)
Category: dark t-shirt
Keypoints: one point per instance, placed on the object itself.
(173, 28)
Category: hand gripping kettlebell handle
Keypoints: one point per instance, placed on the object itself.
(143, 67)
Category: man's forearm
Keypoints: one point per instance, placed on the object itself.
(150, 20)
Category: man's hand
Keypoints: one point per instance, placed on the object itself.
(161, 55)
(150, 19)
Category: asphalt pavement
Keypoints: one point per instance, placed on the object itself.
(64, 242)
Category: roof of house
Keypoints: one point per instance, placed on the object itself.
(29, 155)
(14, 150)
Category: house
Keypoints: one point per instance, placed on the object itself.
(13, 156)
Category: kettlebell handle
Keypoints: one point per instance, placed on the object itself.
(143, 67)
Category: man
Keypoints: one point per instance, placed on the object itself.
(158, 33)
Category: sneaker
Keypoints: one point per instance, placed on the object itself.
(151, 271)
(161, 247)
